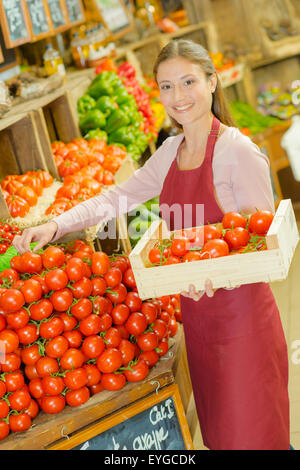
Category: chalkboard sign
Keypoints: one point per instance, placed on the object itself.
(58, 15)
(153, 423)
(9, 55)
(14, 22)
(75, 11)
(39, 18)
(113, 13)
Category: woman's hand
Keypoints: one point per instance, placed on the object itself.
(42, 234)
(196, 295)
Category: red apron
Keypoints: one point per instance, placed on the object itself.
(235, 343)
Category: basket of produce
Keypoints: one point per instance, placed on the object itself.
(263, 245)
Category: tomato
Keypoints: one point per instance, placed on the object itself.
(46, 366)
(160, 328)
(180, 246)
(10, 362)
(35, 388)
(28, 334)
(162, 347)
(173, 260)
(72, 358)
(31, 262)
(215, 248)
(41, 280)
(4, 409)
(14, 381)
(19, 400)
(112, 381)
(53, 404)
(32, 290)
(109, 361)
(113, 277)
(30, 354)
(233, 219)
(191, 256)
(100, 263)
(118, 295)
(41, 310)
(133, 301)
(128, 279)
(93, 374)
(120, 313)
(101, 305)
(61, 299)
(17, 319)
(147, 341)
(9, 341)
(99, 286)
(69, 321)
(127, 350)
(93, 346)
(82, 308)
(12, 300)
(2, 388)
(53, 326)
(112, 338)
(172, 326)
(75, 269)
(120, 263)
(45, 177)
(20, 422)
(56, 347)
(90, 325)
(33, 409)
(136, 323)
(260, 222)
(30, 371)
(150, 357)
(137, 372)
(10, 274)
(74, 338)
(68, 167)
(155, 256)
(56, 279)
(77, 397)
(27, 193)
(76, 378)
(4, 430)
(105, 321)
(82, 288)
(17, 206)
(236, 237)
(53, 257)
(3, 248)
(149, 310)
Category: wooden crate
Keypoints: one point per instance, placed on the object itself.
(228, 271)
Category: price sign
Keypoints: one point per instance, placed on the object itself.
(39, 18)
(58, 15)
(157, 422)
(115, 16)
(75, 11)
(14, 22)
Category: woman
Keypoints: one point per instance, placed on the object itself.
(235, 343)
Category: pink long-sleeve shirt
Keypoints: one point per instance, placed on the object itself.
(241, 178)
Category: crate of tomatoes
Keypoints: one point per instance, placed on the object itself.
(240, 250)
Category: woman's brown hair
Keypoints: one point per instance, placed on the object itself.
(197, 54)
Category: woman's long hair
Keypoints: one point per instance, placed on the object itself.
(197, 54)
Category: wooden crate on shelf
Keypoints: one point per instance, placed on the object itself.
(227, 271)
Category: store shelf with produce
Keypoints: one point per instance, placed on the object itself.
(268, 265)
(49, 429)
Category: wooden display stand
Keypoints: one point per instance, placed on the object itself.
(49, 429)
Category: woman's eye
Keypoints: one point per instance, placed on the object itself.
(189, 81)
(165, 87)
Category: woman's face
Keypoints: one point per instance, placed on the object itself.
(185, 91)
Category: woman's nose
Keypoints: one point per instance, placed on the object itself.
(178, 93)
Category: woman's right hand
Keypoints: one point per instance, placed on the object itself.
(42, 234)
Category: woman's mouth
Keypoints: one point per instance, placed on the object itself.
(182, 108)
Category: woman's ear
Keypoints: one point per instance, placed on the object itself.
(213, 82)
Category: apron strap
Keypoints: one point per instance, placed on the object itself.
(212, 138)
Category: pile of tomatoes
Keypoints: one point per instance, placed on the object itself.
(85, 166)
(7, 234)
(21, 192)
(236, 234)
(71, 325)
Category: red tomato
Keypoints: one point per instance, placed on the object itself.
(10, 362)
(150, 311)
(36, 388)
(113, 277)
(72, 358)
(147, 341)
(215, 248)
(82, 288)
(75, 269)
(100, 263)
(46, 366)
(53, 326)
(14, 381)
(109, 361)
(76, 378)
(90, 325)
(120, 313)
(9, 341)
(53, 257)
(33, 409)
(99, 286)
(82, 308)
(113, 381)
(93, 374)
(32, 290)
(28, 334)
(56, 279)
(62, 299)
(41, 310)
(128, 279)
(133, 301)
(118, 295)
(180, 246)
(233, 219)
(136, 323)
(137, 372)
(191, 256)
(4, 430)
(12, 300)
(52, 404)
(236, 237)
(74, 338)
(112, 338)
(30, 354)
(4, 409)
(260, 222)
(77, 397)
(17, 319)
(150, 357)
(31, 263)
(93, 346)
(19, 400)
(56, 347)
(127, 350)
(20, 422)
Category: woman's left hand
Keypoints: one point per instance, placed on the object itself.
(197, 295)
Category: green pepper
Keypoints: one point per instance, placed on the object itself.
(93, 119)
(124, 135)
(117, 118)
(121, 96)
(106, 104)
(96, 134)
(85, 103)
(134, 151)
(104, 84)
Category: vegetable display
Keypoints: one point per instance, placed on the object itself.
(71, 325)
(249, 120)
(142, 217)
